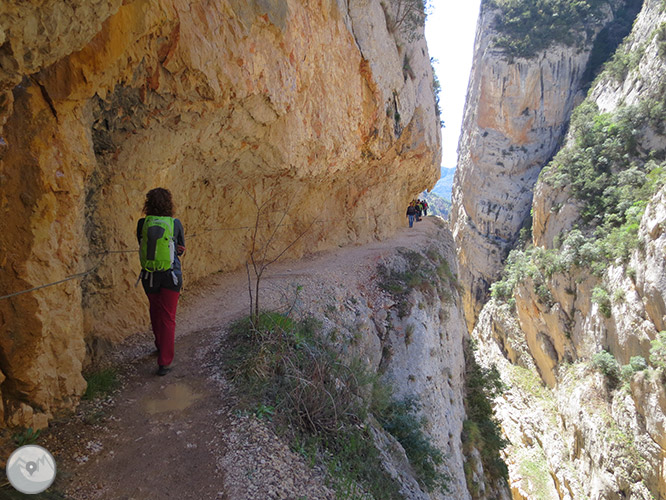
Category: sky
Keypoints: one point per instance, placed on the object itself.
(450, 30)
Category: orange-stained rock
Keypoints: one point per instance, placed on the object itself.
(288, 102)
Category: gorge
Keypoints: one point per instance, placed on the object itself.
(561, 265)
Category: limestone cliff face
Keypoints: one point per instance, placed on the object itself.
(416, 340)
(581, 423)
(516, 113)
(317, 111)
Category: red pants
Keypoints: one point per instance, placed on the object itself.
(163, 318)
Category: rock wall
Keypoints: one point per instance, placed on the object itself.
(424, 357)
(578, 439)
(414, 337)
(317, 112)
(516, 113)
(581, 425)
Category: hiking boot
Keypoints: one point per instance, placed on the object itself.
(163, 370)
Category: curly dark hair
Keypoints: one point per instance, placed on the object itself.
(158, 202)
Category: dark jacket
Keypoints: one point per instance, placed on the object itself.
(411, 210)
(164, 279)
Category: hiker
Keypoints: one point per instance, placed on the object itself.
(425, 208)
(161, 241)
(411, 213)
(418, 207)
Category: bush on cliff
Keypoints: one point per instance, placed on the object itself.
(481, 430)
(430, 274)
(613, 176)
(535, 263)
(286, 372)
(527, 27)
(636, 364)
(602, 299)
(603, 166)
(606, 364)
(406, 17)
(401, 419)
(610, 172)
(658, 351)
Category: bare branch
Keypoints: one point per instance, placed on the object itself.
(270, 239)
(293, 242)
(261, 248)
(249, 288)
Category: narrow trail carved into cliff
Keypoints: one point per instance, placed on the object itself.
(178, 436)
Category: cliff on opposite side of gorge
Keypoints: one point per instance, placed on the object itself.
(559, 215)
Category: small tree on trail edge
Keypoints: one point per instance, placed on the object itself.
(262, 252)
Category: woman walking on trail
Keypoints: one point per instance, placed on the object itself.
(411, 213)
(161, 240)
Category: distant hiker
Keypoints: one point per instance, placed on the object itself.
(425, 208)
(419, 209)
(161, 241)
(411, 213)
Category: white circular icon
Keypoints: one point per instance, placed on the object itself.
(31, 469)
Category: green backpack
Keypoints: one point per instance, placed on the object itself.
(158, 247)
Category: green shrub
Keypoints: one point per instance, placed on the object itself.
(605, 166)
(519, 265)
(631, 272)
(400, 283)
(527, 27)
(658, 351)
(264, 412)
(606, 364)
(355, 465)
(409, 333)
(430, 274)
(602, 299)
(623, 61)
(606, 170)
(283, 364)
(619, 295)
(286, 373)
(661, 40)
(101, 383)
(603, 143)
(437, 90)
(406, 17)
(611, 36)
(481, 430)
(627, 372)
(536, 263)
(638, 363)
(27, 436)
(613, 179)
(402, 421)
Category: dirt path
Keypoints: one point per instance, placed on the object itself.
(177, 436)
